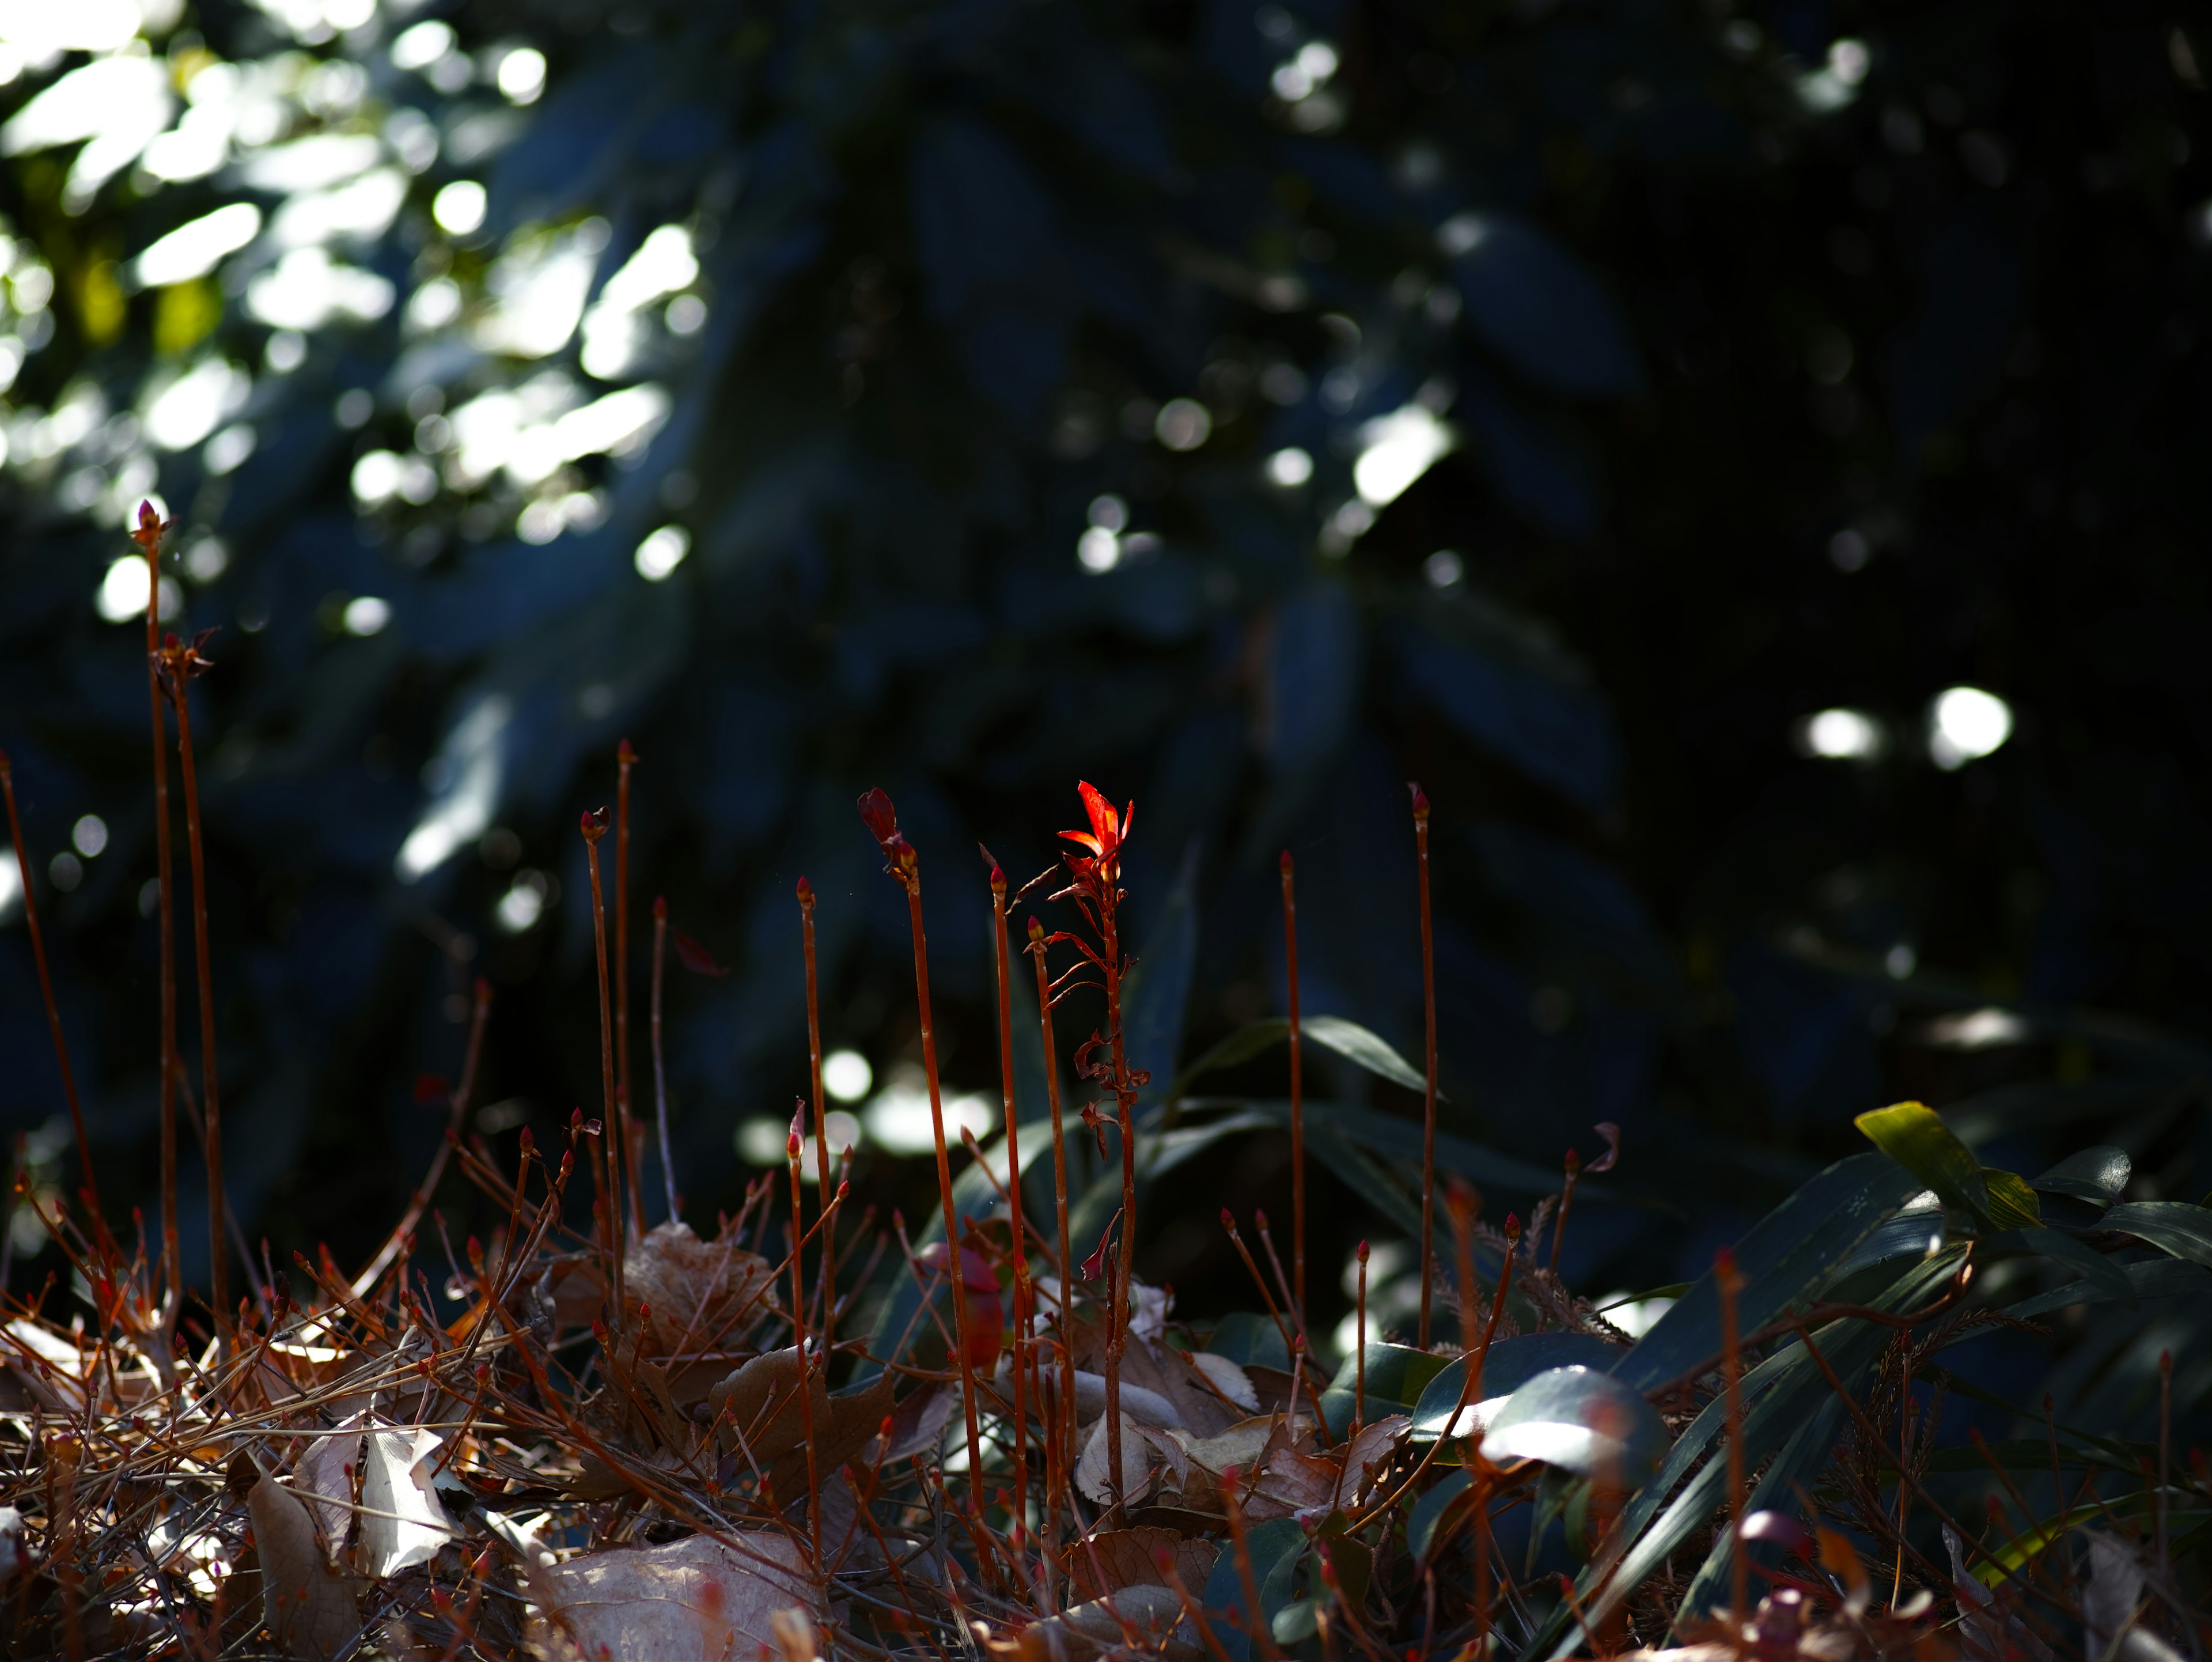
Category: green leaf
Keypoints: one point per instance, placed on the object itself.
(2097, 1175)
(1580, 1421)
(2175, 1226)
(1510, 1364)
(1395, 1376)
(2112, 1278)
(1347, 1038)
(1158, 990)
(1272, 1551)
(1915, 1136)
(2013, 1204)
(2161, 1278)
(1249, 1340)
(1780, 1395)
(1790, 1255)
(1432, 1511)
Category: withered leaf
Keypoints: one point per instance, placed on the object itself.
(694, 1600)
(403, 1522)
(698, 1292)
(309, 1608)
(1130, 1558)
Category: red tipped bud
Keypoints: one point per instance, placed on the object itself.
(1420, 803)
(791, 1147)
(1512, 1227)
(1227, 1219)
(624, 755)
(1037, 932)
(1574, 1163)
(594, 824)
(1363, 1251)
(1260, 1220)
(997, 881)
(575, 1119)
(881, 818)
(660, 908)
(525, 1139)
(1284, 862)
(844, 1187)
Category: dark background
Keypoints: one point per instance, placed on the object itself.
(1771, 395)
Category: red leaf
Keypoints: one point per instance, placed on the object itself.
(696, 958)
(882, 818)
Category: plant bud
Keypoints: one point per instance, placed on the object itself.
(806, 892)
(1420, 803)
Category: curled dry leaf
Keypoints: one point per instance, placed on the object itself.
(1129, 1558)
(403, 1522)
(308, 1608)
(694, 1600)
(701, 1293)
(1091, 1468)
(1154, 1613)
(758, 1406)
(325, 1477)
(1225, 1377)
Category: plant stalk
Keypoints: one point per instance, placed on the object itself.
(821, 1110)
(1013, 1185)
(1067, 1462)
(660, 1071)
(149, 538)
(633, 1140)
(1297, 1098)
(611, 1141)
(1429, 1095)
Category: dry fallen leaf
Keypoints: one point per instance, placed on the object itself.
(401, 1522)
(304, 1603)
(324, 1477)
(1128, 1558)
(694, 1600)
(1225, 1377)
(698, 1292)
(758, 1405)
(1090, 1467)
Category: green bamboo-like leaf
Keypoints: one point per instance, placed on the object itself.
(1396, 1375)
(2097, 1175)
(2161, 1278)
(2112, 1278)
(2175, 1226)
(1580, 1421)
(1810, 1446)
(1780, 1395)
(1789, 1257)
(2013, 1204)
(1347, 1038)
(1914, 1135)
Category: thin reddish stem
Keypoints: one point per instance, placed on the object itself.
(610, 1140)
(625, 759)
(821, 1110)
(1429, 1094)
(910, 875)
(46, 988)
(660, 1071)
(1727, 1282)
(1013, 1186)
(1067, 1461)
(149, 538)
(1359, 1385)
(179, 661)
(799, 1338)
(1297, 1098)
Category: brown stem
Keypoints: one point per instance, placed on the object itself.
(1726, 1282)
(1429, 1097)
(1066, 1463)
(910, 875)
(820, 1109)
(180, 664)
(1118, 1285)
(1297, 1316)
(612, 1138)
(660, 1071)
(1229, 1222)
(625, 759)
(799, 1338)
(1574, 1165)
(47, 987)
(149, 538)
(1013, 1185)
(393, 1243)
(1298, 1100)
